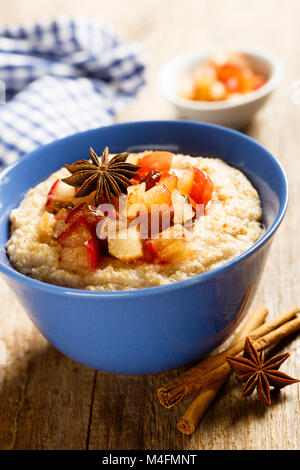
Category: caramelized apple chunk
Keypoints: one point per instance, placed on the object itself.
(182, 209)
(140, 200)
(60, 194)
(170, 246)
(82, 258)
(126, 245)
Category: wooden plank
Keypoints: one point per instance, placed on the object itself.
(56, 406)
(45, 398)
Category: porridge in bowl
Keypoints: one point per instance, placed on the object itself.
(132, 221)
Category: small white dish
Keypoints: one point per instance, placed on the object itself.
(235, 113)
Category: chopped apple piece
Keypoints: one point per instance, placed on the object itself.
(170, 181)
(159, 160)
(187, 88)
(92, 249)
(86, 211)
(75, 235)
(84, 257)
(185, 181)
(159, 194)
(174, 252)
(170, 246)
(205, 76)
(139, 200)
(127, 246)
(195, 184)
(202, 187)
(257, 82)
(217, 91)
(59, 193)
(134, 201)
(183, 210)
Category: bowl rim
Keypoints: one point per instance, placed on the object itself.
(12, 273)
(263, 54)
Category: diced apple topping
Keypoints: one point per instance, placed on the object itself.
(222, 77)
(204, 80)
(185, 181)
(202, 188)
(127, 246)
(159, 160)
(175, 252)
(187, 88)
(139, 200)
(195, 184)
(170, 181)
(75, 235)
(80, 247)
(182, 209)
(170, 246)
(60, 193)
(84, 257)
(159, 194)
(134, 201)
(92, 249)
(88, 212)
(159, 203)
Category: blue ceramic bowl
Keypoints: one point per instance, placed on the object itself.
(159, 328)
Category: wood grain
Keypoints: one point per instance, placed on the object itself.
(49, 402)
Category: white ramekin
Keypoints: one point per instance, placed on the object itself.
(231, 113)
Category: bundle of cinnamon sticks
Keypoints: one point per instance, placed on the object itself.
(208, 376)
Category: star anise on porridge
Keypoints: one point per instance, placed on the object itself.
(106, 177)
(258, 373)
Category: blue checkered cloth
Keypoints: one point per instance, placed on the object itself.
(60, 77)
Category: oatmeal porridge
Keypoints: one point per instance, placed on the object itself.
(55, 235)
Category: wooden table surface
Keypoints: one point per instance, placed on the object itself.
(47, 401)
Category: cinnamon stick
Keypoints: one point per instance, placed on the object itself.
(216, 367)
(264, 342)
(254, 320)
(195, 412)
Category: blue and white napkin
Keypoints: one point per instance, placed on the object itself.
(60, 77)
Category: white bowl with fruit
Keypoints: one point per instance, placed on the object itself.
(225, 88)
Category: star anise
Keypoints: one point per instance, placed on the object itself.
(252, 369)
(106, 177)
